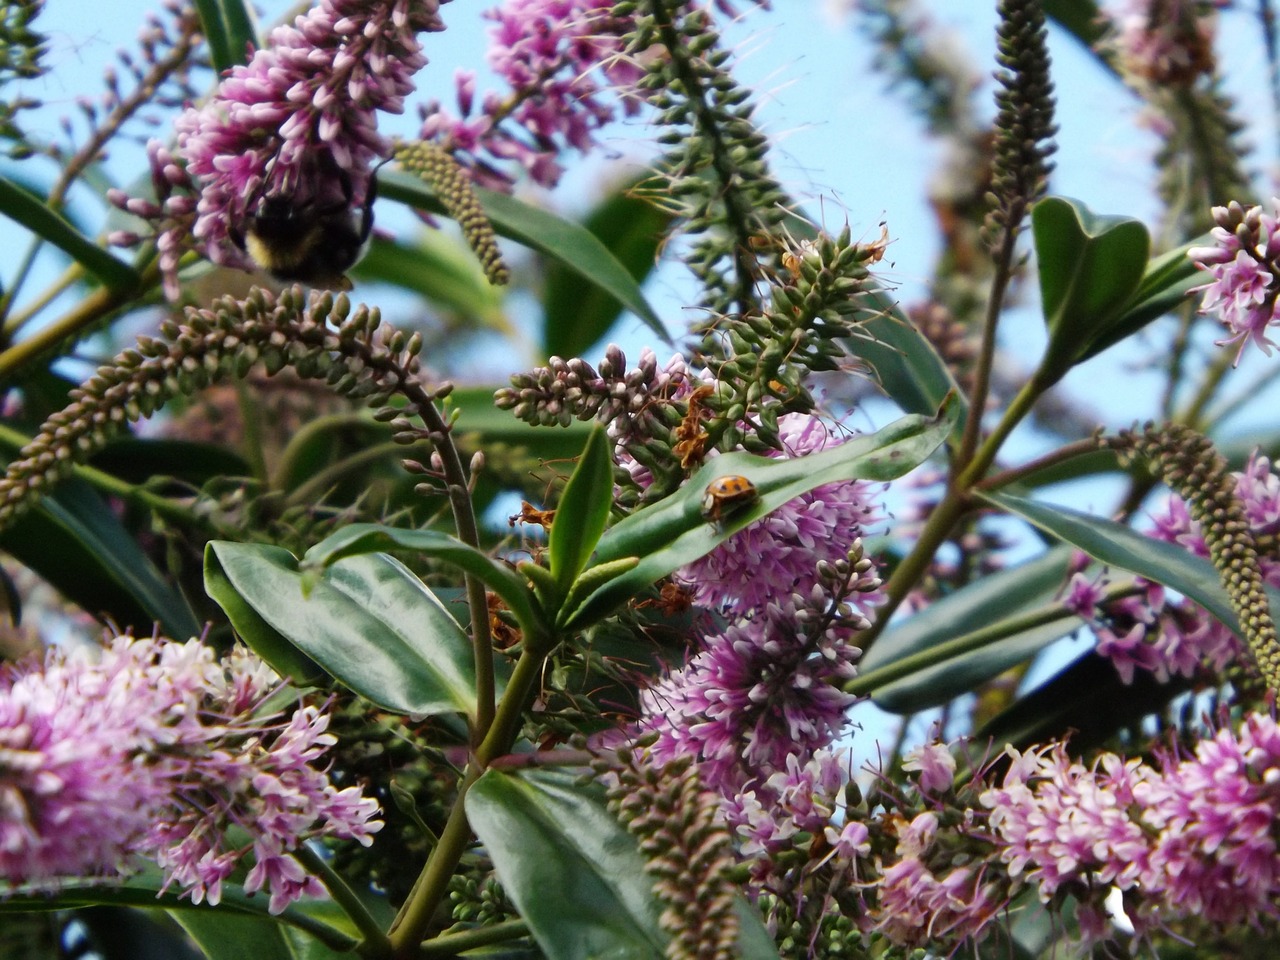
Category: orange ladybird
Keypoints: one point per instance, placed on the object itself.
(725, 495)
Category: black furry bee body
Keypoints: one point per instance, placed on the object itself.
(307, 242)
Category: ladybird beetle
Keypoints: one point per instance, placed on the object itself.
(725, 495)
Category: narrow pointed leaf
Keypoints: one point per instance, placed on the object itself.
(229, 29)
(441, 269)
(582, 511)
(1001, 597)
(1119, 546)
(27, 209)
(367, 620)
(674, 532)
(576, 316)
(320, 921)
(74, 540)
(1086, 699)
(576, 876)
(571, 244)
(906, 365)
(361, 538)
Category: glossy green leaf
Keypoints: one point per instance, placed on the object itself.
(1013, 596)
(669, 534)
(582, 511)
(1119, 546)
(576, 876)
(906, 365)
(319, 921)
(577, 316)
(568, 243)
(260, 636)
(1165, 286)
(360, 538)
(229, 29)
(442, 270)
(367, 620)
(76, 541)
(229, 936)
(27, 209)
(1090, 266)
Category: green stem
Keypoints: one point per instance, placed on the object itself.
(324, 480)
(464, 520)
(411, 924)
(1223, 363)
(987, 351)
(954, 504)
(72, 275)
(415, 916)
(452, 944)
(375, 943)
(93, 308)
(1064, 454)
(113, 485)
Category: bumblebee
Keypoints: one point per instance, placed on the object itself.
(306, 242)
(726, 495)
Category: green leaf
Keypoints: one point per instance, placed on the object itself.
(576, 317)
(905, 363)
(1014, 597)
(669, 534)
(229, 29)
(261, 637)
(576, 876)
(361, 538)
(228, 936)
(140, 460)
(367, 620)
(77, 543)
(1081, 18)
(1119, 546)
(1090, 267)
(582, 511)
(1168, 279)
(320, 920)
(568, 243)
(1087, 700)
(443, 271)
(27, 209)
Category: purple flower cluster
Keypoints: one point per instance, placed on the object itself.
(559, 58)
(801, 797)
(779, 554)
(1152, 632)
(917, 906)
(157, 750)
(1187, 839)
(172, 214)
(297, 121)
(1246, 275)
(760, 693)
(760, 703)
